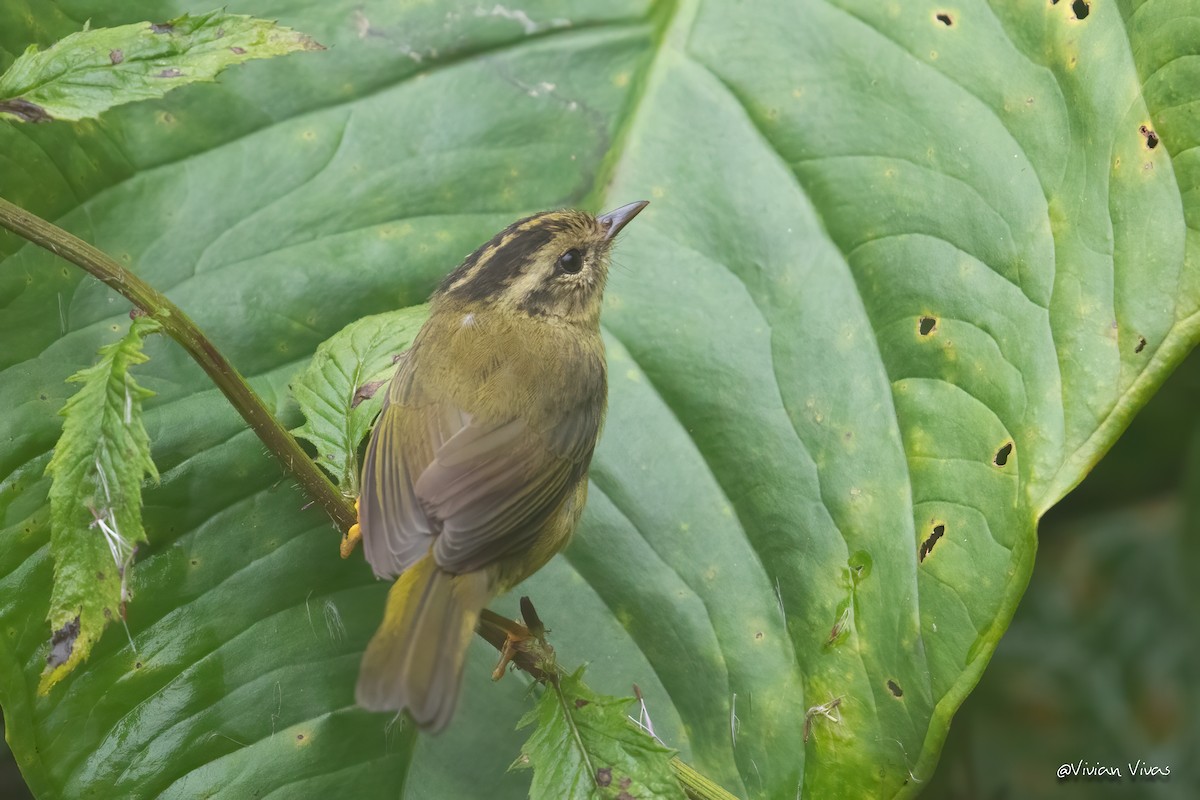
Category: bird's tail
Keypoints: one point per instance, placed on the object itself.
(415, 660)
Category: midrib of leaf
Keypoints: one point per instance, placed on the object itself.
(945, 706)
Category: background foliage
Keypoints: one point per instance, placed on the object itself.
(911, 279)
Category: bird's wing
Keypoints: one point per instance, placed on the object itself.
(475, 492)
(491, 488)
(396, 531)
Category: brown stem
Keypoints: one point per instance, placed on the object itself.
(181, 328)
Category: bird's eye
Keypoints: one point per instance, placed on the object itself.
(570, 262)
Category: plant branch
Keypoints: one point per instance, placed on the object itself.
(536, 660)
(181, 328)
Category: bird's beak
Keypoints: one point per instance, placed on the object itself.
(615, 220)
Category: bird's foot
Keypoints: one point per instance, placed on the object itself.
(516, 640)
(522, 645)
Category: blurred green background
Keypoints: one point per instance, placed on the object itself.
(1102, 662)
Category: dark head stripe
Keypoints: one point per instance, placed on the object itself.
(490, 269)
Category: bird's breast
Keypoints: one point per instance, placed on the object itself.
(495, 367)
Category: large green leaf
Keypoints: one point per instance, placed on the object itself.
(907, 272)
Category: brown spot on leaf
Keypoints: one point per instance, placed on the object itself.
(1141, 345)
(895, 689)
(365, 392)
(1002, 454)
(169, 73)
(99, 576)
(161, 27)
(62, 642)
(116, 56)
(580, 702)
(625, 796)
(927, 325)
(24, 110)
(137, 665)
(604, 776)
(299, 737)
(239, 51)
(624, 782)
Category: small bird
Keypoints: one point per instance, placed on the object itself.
(476, 471)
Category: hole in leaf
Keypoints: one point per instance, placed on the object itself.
(945, 19)
(895, 689)
(927, 545)
(926, 326)
(1151, 137)
(1081, 9)
(860, 563)
(1002, 454)
(1141, 345)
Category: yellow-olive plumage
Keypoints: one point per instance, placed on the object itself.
(476, 472)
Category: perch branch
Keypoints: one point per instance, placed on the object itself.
(180, 327)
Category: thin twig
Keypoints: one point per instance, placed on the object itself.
(181, 328)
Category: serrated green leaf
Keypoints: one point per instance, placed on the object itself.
(98, 467)
(93, 70)
(341, 391)
(583, 747)
(879, 248)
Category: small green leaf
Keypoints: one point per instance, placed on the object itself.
(339, 390)
(96, 501)
(585, 747)
(89, 72)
